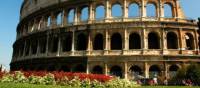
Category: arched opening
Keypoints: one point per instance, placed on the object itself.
(134, 41)
(168, 10)
(34, 46)
(116, 42)
(136, 72)
(116, 71)
(173, 70)
(51, 68)
(100, 12)
(27, 49)
(43, 44)
(189, 41)
(84, 14)
(67, 43)
(172, 40)
(154, 71)
(153, 41)
(48, 21)
(64, 68)
(117, 10)
(54, 46)
(71, 15)
(133, 10)
(97, 70)
(151, 10)
(79, 68)
(59, 18)
(82, 42)
(98, 42)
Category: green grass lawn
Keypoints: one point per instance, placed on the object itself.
(17, 85)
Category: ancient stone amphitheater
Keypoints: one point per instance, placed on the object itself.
(126, 38)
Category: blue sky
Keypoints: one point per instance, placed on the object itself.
(9, 18)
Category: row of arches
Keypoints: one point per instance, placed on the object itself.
(98, 42)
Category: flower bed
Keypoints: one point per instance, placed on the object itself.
(65, 79)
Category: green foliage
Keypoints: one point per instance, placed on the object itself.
(121, 83)
(8, 78)
(193, 72)
(20, 78)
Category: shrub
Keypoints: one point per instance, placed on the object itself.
(120, 83)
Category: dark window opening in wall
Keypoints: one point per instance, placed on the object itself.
(67, 43)
(154, 71)
(82, 42)
(135, 70)
(153, 41)
(173, 68)
(117, 11)
(116, 42)
(51, 68)
(34, 46)
(100, 12)
(65, 68)
(21, 50)
(133, 10)
(116, 71)
(172, 40)
(168, 11)
(84, 14)
(54, 47)
(43, 44)
(134, 41)
(71, 16)
(79, 68)
(189, 41)
(27, 48)
(97, 70)
(59, 18)
(151, 10)
(98, 42)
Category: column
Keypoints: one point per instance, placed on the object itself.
(59, 46)
(181, 41)
(107, 16)
(126, 40)
(164, 41)
(76, 16)
(197, 41)
(73, 42)
(105, 68)
(145, 40)
(107, 42)
(88, 68)
(125, 70)
(161, 10)
(38, 47)
(64, 18)
(146, 68)
(166, 69)
(91, 13)
(125, 13)
(177, 9)
(24, 49)
(143, 9)
(89, 43)
(47, 46)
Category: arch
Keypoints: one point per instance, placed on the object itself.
(116, 42)
(71, 16)
(168, 10)
(173, 69)
(84, 14)
(136, 70)
(133, 10)
(34, 46)
(154, 71)
(172, 40)
(151, 10)
(100, 12)
(67, 42)
(117, 10)
(82, 42)
(116, 71)
(134, 41)
(54, 46)
(97, 70)
(64, 68)
(153, 41)
(189, 41)
(79, 68)
(59, 18)
(98, 42)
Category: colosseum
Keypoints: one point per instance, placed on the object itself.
(130, 39)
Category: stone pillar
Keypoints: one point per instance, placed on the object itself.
(177, 9)
(125, 70)
(38, 48)
(105, 68)
(64, 18)
(73, 42)
(145, 40)
(24, 51)
(47, 46)
(146, 68)
(161, 10)
(108, 12)
(126, 40)
(107, 42)
(181, 41)
(88, 68)
(125, 13)
(197, 42)
(53, 20)
(89, 48)
(91, 13)
(164, 41)
(59, 46)
(166, 69)
(143, 9)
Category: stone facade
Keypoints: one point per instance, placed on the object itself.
(125, 46)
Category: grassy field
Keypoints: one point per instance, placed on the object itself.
(13, 85)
